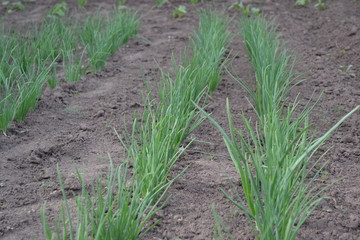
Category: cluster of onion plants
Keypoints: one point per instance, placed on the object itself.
(276, 153)
(29, 60)
(155, 144)
(102, 42)
(121, 206)
(22, 75)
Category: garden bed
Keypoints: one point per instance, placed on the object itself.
(73, 124)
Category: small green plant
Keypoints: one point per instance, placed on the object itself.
(13, 6)
(320, 5)
(302, 3)
(53, 79)
(246, 10)
(179, 11)
(82, 3)
(121, 2)
(59, 10)
(194, 1)
(347, 70)
(161, 2)
(73, 66)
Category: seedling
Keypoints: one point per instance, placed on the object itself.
(179, 11)
(121, 2)
(302, 3)
(248, 10)
(73, 66)
(13, 7)
(347, 70)
(53, 79)
(59, 10)
(321, 5)
(161, 2)
(82, 3)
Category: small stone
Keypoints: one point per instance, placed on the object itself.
(84, 127)
(100, 113)
(320, 53)
(178, 218)
(348, 139)
(353, 31)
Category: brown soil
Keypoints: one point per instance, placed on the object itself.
(73, 125)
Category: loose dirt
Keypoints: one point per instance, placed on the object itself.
(72, 125)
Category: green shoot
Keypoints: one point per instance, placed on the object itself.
(59, 10)
(121, 2)
(321, 6)
(82, 3)
(179, 11)
(13, 7)
(161, 2)
(248, 10)
(302, 3)
(73, 66)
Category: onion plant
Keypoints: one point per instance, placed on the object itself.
(123, 209)
(154, 143)
(102, 42)
(111, 209)
(275, 155)
(272, 64)
(209, 45)
(274, 170)
(73, 66)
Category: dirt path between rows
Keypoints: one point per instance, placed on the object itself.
(73, 124)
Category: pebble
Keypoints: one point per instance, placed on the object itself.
(100, 113)
(347, 139)
(178, 218)
(353, 31)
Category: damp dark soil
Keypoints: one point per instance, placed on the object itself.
(73, 125)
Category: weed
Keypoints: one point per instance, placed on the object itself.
(59, 10)
(121, 2)
(179, 11)
(302, 3)
(347, 70)
(82, 3)
(161, 2)
(53, 79)
(247, 11)
(13, 6)
(320, 5)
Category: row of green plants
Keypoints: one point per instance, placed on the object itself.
(71, 47)
(122, 204)
(276, 155)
